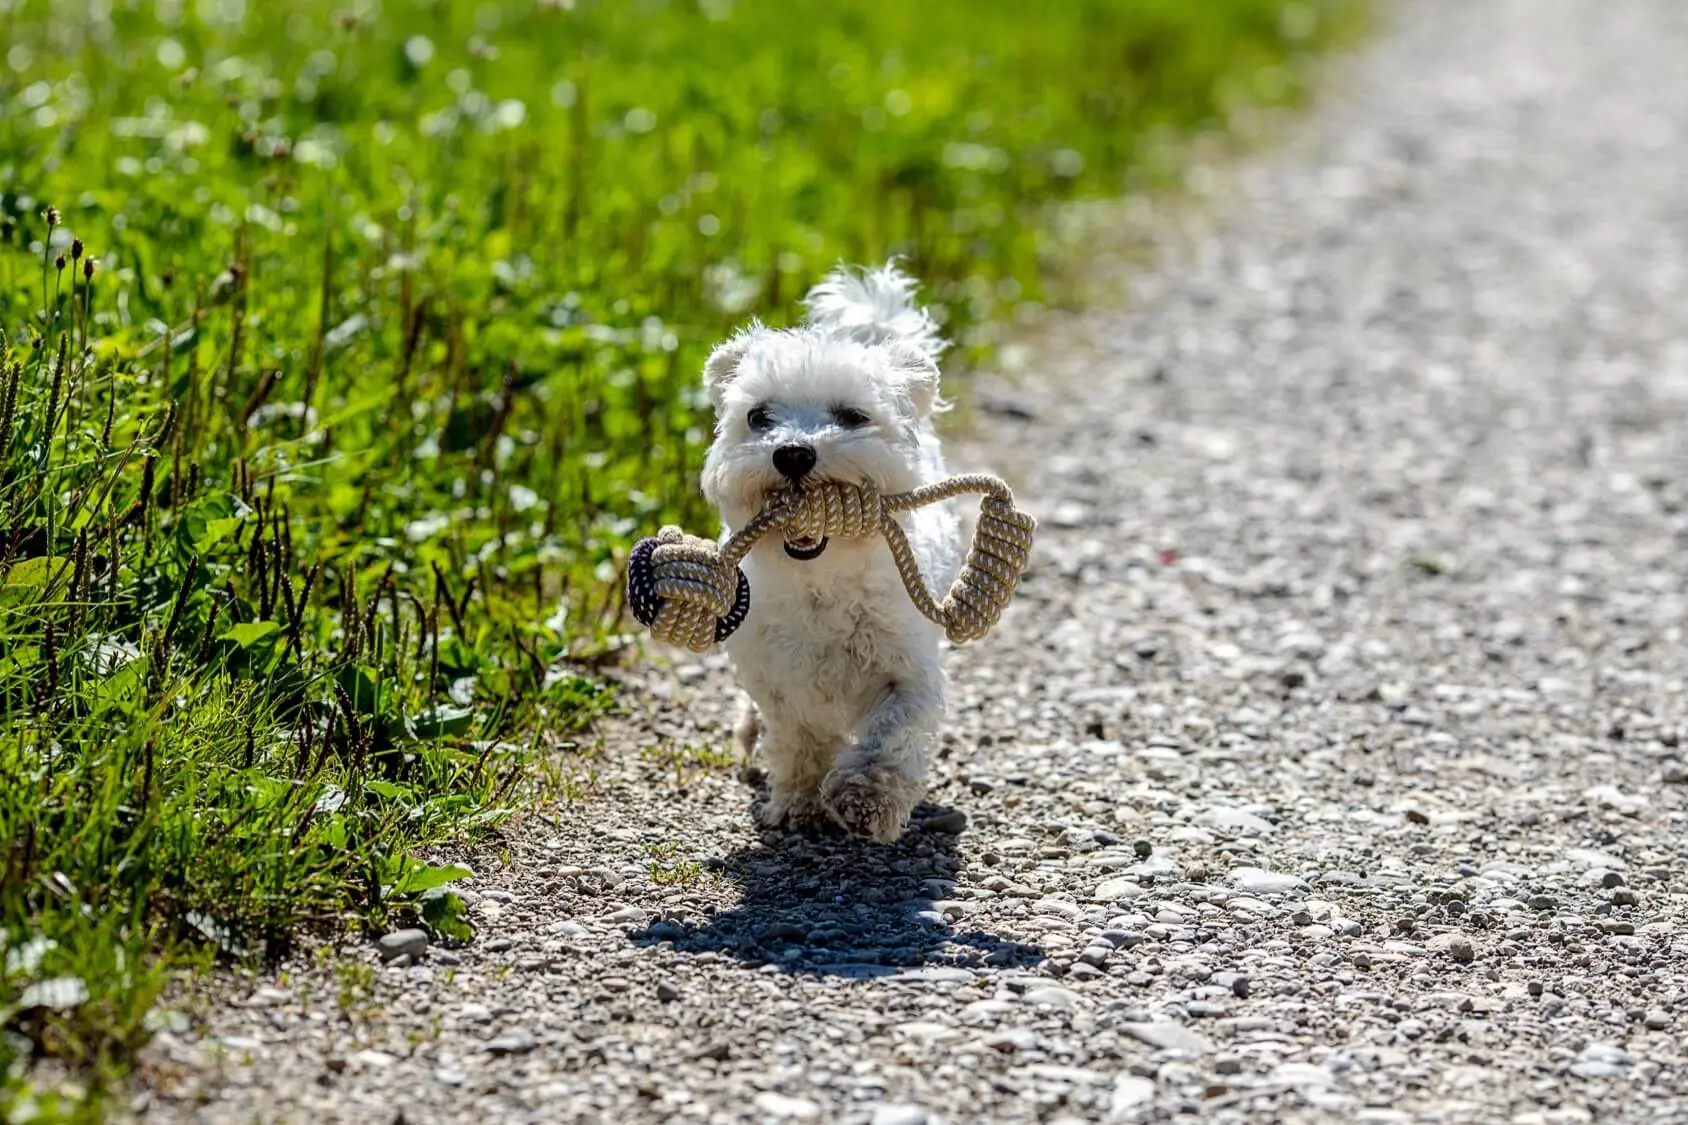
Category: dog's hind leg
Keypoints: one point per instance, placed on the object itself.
(796, 759)
(874, 786)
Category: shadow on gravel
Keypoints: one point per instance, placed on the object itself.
(832, 906)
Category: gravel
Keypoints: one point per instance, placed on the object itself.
(1329, 766)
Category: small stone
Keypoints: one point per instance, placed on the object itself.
(1594, 1068)
(1543, 903)
(898, 1115)
(1117, 890)
(1254, 881)
(1236, 821)
(1130, 1091)
(1228, 1065)
(1069, 514)
(517, 1042)
(1656, 1019)
(1455, 945)
(1055, 997)
(666, 992)
(781, 932)
(1166, 1036)
(402, 943)
(789, 1109)
(1122, 939)
(1096, 955)
(952, 823)
(1015, 1039)
(1675, 773)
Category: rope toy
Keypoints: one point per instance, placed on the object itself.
(690, 591)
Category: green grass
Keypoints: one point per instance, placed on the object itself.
(313, 492)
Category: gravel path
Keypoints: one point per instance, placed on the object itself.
(1329, 767)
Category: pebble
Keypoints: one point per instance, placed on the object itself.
(1254, 881)
(1130, 1091)
(517, 1042)
(953, 822)
(1237, 821)
(1165, 1036)
(1121, 939)
(787, 1108)
(1117, 890)
(1055, 997)
(1455, 945)
(403, 943)
(898, 1114)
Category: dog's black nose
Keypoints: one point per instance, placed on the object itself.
(793, 461)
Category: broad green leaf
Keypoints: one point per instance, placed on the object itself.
(424, 877)
(36, 580)
(445, 914)
(443, 721)
(250, 633)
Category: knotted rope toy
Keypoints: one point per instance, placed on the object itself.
(690, 591)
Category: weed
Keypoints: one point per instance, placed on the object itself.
(689, 759)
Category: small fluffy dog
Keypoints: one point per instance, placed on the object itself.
(842, 672)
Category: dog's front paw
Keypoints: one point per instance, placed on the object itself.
(870, 801)
(796, 812)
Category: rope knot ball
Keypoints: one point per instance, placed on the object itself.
(692, 592)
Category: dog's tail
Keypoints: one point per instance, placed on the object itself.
(874, 306)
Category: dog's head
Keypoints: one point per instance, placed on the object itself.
(799, 406)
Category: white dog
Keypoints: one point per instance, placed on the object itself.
(842, 671)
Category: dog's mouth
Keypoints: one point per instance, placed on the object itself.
(805, 548)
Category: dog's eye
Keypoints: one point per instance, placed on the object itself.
(849, 417)
(759, 418)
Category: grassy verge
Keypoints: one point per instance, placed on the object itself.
(347, 346)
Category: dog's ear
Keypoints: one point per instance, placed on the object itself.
(918, 375)
(722, 366)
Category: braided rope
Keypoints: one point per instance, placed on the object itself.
(690, 591)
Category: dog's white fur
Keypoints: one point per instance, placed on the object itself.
(842, 672)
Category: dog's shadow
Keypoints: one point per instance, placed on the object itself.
(824, 904)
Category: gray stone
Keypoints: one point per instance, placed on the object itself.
(1254, 881)
(515, 1042)
(403, 943)
(1166, 1036)
(898, 1114)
